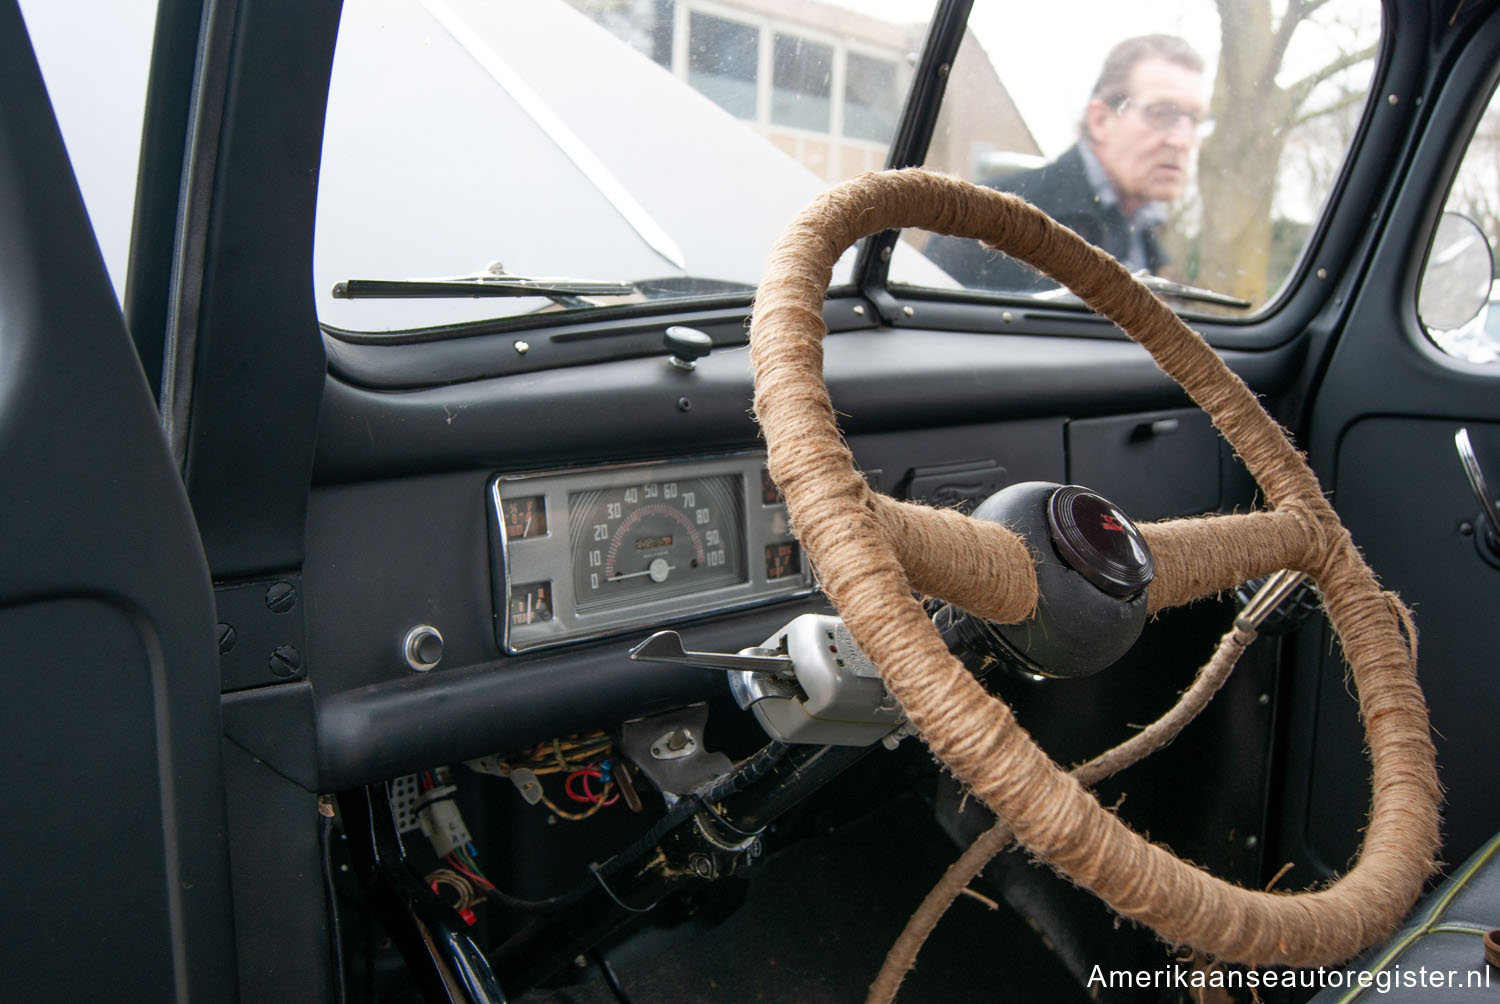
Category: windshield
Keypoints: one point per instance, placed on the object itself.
(547, 156)
(658, 145)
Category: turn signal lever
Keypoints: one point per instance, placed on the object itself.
(808, 683)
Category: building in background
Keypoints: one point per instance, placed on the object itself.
(823, 83)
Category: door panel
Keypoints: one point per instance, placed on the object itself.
(109, 689)
(1381, 433)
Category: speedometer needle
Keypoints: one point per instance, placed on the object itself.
(658, 570)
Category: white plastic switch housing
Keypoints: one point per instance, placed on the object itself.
(444, 825)
(842, 700)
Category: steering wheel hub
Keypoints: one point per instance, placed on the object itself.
(1093, 567)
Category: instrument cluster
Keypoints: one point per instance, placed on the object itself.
(585, 553)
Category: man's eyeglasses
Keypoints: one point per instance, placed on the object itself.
(1163, 116)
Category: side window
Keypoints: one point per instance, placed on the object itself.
(1460, 272)
(1194, 142)
(94, 58)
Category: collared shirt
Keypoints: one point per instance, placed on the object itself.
(1143, 219)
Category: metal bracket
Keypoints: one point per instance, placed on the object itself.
(669, 749)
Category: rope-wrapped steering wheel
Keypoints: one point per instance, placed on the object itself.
(872, 553)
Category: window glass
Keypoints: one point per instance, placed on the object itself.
(659, 146)
(802, 84)
(94, 59)
(723, 57)
(872, 98)
(1195, 142)
(1449, 270)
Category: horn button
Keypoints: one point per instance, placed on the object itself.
(1093, 569)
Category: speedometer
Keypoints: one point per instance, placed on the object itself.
(589, 552)
(656, 538)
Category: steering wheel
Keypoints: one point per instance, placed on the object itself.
(873, 553)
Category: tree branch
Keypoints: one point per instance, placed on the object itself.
(1296, 12)
(1302, 89)
(1352, 98)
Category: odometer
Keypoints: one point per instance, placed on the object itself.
(656, 538)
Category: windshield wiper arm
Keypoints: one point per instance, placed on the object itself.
(1155, 283)
(493, 281)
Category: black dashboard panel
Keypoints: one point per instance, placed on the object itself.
(387, 556)
(625, 410)
(398, 533)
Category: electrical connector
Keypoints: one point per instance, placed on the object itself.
(443, 825)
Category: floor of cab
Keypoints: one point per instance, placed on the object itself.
(818, 919)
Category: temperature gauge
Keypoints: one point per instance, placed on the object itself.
(782, 559)
(525, 517)
(530, 603)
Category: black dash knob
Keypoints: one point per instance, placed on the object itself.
(687, 346)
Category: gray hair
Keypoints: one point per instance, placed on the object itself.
(1115, 74)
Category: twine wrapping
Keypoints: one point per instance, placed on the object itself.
(1209, 679)
(847, 531)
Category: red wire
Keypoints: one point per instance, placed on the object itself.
(587, 797)
(453, 860)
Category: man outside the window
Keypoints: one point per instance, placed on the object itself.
(1112, 187)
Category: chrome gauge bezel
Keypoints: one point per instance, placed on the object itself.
(553, 557)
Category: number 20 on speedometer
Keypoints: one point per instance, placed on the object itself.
(656, 539)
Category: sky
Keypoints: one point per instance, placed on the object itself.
(100, 111)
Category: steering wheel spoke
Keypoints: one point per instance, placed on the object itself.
(992, 576)
(1207, 555)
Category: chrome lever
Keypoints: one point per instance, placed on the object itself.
(666, 646)
(1268, 597)
(1481, 489)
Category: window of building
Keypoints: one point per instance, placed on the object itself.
(723, 57)
(802, 84)
(872, 98)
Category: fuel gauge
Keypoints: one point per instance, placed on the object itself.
(525, 517)
(530, 603)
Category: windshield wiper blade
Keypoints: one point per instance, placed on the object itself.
(1181, 290)
(482, 284)
(1163, 287)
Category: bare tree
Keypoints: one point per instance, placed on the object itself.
(1255, 117)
